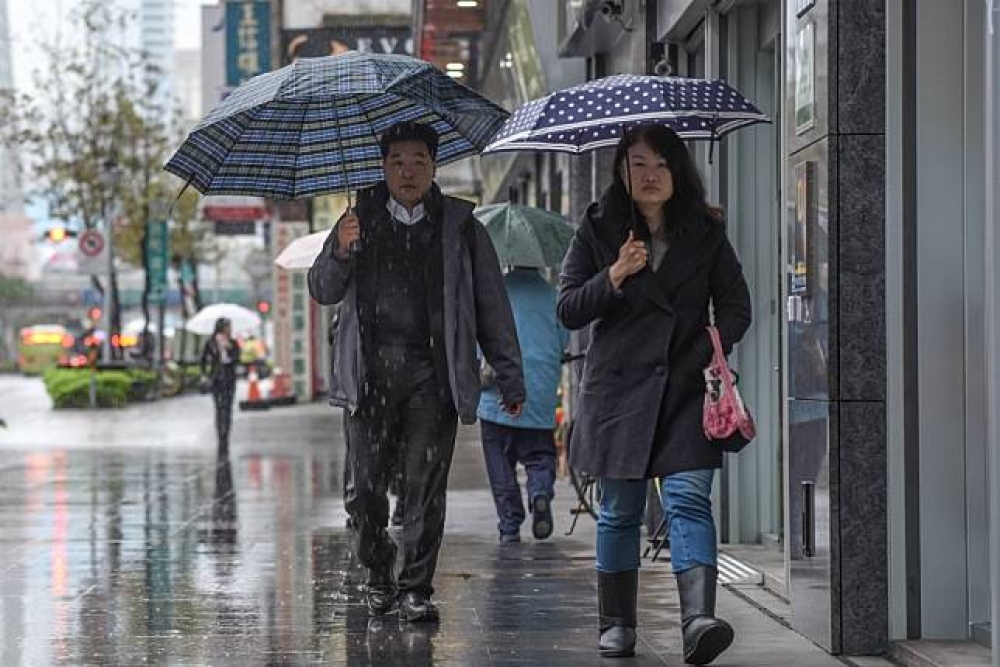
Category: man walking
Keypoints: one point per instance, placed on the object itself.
(529, 439)
(420, 286)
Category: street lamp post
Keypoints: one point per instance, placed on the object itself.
(110, 177)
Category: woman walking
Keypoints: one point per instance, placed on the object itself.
(648, 288)
(218, 363)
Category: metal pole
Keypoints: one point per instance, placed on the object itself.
(106, 344)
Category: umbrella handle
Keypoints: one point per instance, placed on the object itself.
(628, 188)
(354, 249)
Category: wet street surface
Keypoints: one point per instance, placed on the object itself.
(126, 541)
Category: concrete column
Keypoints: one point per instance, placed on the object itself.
(992, 262)
(837, 352)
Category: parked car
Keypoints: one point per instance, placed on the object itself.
(42, 347)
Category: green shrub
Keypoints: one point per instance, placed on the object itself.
(70, 388)
(143, 384)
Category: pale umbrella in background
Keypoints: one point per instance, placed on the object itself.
(244, 320)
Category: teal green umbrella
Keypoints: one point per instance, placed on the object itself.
(526, 236)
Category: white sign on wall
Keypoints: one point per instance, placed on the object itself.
(292, 315)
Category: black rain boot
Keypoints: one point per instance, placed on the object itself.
(705, 637)
(616, 601)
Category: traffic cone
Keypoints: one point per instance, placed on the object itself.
(278, 388)
(253, 392)
(254, 400)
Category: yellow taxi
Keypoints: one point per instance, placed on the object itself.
(42, 347)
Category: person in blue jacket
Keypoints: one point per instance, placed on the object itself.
(528, 439)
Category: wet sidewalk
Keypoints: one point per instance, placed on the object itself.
(134, 545)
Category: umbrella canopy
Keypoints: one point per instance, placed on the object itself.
(137, 325)
(244, 320)
(526, 236)
(592, 115)
(522, 235)
(300, 254)
(313, 127)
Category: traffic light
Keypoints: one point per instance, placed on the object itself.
(58, 234)
(263, 307)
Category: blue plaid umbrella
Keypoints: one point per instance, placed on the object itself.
(593, 115)
(312, 127)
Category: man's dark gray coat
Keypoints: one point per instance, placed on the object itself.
(475, 305)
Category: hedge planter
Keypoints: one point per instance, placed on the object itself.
(70, 388)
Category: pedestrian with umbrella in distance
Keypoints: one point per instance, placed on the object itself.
(420, 290)
(528, 240)
(219, 358)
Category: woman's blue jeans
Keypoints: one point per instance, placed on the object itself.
(687, 504)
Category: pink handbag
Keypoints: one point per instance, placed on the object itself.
(725, 418)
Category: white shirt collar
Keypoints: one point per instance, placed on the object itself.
(399, 212)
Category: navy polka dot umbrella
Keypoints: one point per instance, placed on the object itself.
(594, 114)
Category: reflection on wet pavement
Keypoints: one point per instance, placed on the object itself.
(135, 546)
(157, 558)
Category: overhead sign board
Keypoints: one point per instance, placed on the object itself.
(233, 208)
(248, 40)
(332, 40)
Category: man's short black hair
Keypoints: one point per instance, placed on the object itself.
(410, 131)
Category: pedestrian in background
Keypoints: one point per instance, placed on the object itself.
(650, 291)
(219, 358)
(530, 438)
(419, 285)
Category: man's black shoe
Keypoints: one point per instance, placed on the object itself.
(380, 600)
(417, 608)
(397, 514)
(541, 517)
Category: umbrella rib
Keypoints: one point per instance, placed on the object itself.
(214, 173)
(531, 232)
(369, 124)
(298, 153)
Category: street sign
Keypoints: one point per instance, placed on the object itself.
(92, 258)
(157, 259)
(91, 243)
(248, 39)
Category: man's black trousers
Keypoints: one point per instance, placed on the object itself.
(406, 417)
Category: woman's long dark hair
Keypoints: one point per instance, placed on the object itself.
(220, 325)
(687, 205)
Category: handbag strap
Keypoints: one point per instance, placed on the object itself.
(719, 359)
